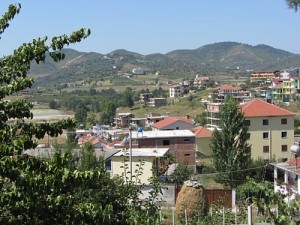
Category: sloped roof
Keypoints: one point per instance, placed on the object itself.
(202, 132)
(260, 108)
(227, 87)
(170, 120)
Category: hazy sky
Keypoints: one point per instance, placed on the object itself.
(151, 26)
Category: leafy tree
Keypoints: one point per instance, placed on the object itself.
(81, 113)
(37, 191)
(127, 97)
(181, 174)
(231, 152)
(262, 195)
(293, 4)
(107, 116)
(88, 158)
(54, 104)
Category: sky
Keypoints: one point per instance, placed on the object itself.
(155, 26)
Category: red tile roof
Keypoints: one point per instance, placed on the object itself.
(260, 108)
(294, 162)
(227, 87)
(170, 120)
(91, 139)
(202, 132)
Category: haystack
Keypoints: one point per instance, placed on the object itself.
(190, 198)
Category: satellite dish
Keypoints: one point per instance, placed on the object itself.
(295, 149)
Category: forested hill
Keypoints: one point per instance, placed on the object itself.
(212, 57)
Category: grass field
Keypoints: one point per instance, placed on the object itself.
(180, 107)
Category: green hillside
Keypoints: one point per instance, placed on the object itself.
(209, 60)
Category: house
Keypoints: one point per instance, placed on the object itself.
(263, 92)
(145, 97)
(203, 139)
(180, 142)
(100, 130)
(174, 123)
(287, 178)
(145, 163)
(138, 71)
(235, 92)
(138, 122)
(123, 119)
(264, 75)
(153, 118)
(157, 102)
(176, 91)
(271, 129)
(97, 142)
(203, 82)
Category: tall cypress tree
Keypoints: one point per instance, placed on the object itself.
(231, 151)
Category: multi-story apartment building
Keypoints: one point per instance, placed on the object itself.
(145, 97)
(271, 129)
(285, 90)
(176, 91)
(235, 92)
(265, 75)
(203, 82)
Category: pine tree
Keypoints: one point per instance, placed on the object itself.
(231, 152)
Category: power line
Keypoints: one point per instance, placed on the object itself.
(233, 171)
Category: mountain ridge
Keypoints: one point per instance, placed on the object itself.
(209, 58)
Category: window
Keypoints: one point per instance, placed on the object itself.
(283, 134)
(265, 122)
(248, 135)
(247, 123)
(265, 135)
(187, 154)
(186, 139)
(284, 148)
(284, 121)
(166, 142)
(177, 128)
(266, 149)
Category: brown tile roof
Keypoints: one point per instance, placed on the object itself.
(260, 108)
(202, 132)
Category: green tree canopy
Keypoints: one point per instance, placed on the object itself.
(293, 4)
(231, 152)
(37, 191)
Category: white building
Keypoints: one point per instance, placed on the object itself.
(176, 91)
(145, 163)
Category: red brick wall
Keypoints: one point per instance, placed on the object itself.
(183, 149)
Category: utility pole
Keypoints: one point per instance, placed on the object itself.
(130, 152)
